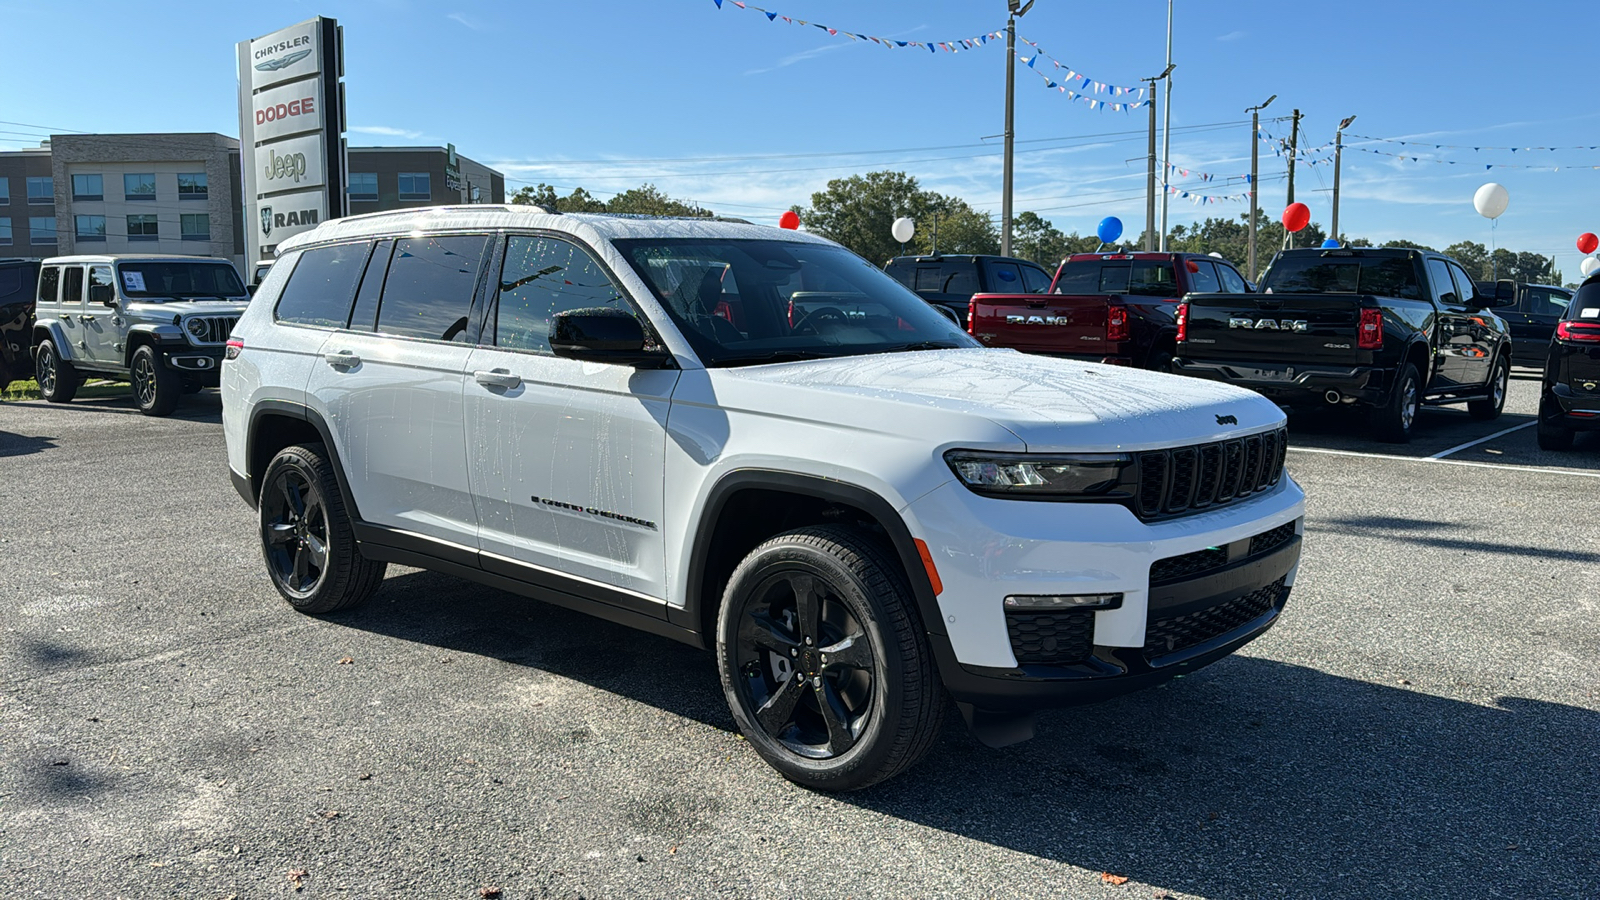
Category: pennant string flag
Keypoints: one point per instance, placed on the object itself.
(955, 46)
(1426, 144)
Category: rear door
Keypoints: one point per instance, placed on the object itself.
(566, 458)
(1483, 326)
(1457, 342)
(86, 343)
(1533, 322)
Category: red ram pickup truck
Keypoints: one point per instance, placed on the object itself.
(1116, 308)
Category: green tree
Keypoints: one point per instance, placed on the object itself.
(1034, 237)
(544, 195)
(955, 226)
(858, 212)
(648, 200)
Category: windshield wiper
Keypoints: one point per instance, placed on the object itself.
(774, 356)
(921, 345)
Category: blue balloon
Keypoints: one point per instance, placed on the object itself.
(1110, 229)
(1330, 243)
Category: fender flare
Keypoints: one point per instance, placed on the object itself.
(303, 413)
(158, 336)
(51, 329)
(690, 616)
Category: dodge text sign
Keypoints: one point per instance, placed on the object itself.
(290, 109)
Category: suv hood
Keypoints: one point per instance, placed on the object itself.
(189, 307)
(1049, 404)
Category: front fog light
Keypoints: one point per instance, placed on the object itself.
(1057, 602)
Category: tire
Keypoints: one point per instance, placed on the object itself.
(1551, 435)
(58, 379)
(301, 509)
(156, 388)
(1160, 358)
(881, 686)
(1499, 383)
(1392, 422)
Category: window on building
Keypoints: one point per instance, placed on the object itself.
(428, 291)
(89, 228)
(143, 228)
(5, 232)
(195, 226)
(88, 187)
(139, 187)
(191, 185)
(414, 186)
(5, 190)
(363, 185)
(41, 229)
(41, 190)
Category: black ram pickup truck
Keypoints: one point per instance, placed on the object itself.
(948, 281)
(1391, 330)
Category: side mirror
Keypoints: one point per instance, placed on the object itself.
(1505, 292)
(251, 289)
(603, 334)
(102, 294)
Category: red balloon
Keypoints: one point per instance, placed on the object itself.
(1587, 242)
(1296, 216)
(789, 220)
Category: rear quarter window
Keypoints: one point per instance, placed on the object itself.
(322, 286)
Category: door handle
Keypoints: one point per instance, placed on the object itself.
(500, 378)
(343, 359)
(86, 319)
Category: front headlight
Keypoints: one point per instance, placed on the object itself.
(197, 327)
(1098, 476)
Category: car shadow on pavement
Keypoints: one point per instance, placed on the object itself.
(1393, 528)
(13, 444)
(203, 407)
(1250, 778)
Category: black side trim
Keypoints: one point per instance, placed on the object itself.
(241, 483)
(550, 588)
(306, 414)
(689, 617)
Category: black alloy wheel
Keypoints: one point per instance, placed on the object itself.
(155, 387)
(824, 660)
(58, 379)
(1393, 420)
(306, 535)
(1499, 382)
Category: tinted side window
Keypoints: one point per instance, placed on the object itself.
(365, 315)
(1465, 289)
(929, 278)
(1232, 281)
(1035, 281)
(902, 274)
(72, 286)
(49, 280)
(428, 293)
(1203, 277)
(1545, 302)
(1443, 290)
(322, 285)
(543, 276)
(1007, 278)
(960, 279)
(100, 276)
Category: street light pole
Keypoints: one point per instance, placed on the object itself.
(1338, 150)
(1166, 132)
(1150, 183)
(1255, 177)
(1016, 9)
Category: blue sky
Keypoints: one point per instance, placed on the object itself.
(748, 116)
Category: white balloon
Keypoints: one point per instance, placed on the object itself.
(1588, 266)
(1491, 200)
(1215, 253)
(902, 229)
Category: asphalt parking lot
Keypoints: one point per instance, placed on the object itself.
(1423, 722)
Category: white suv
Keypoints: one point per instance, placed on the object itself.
(753, 441)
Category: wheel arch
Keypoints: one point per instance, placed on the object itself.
(748, 506)
(1419, 354)
(276, 424)
(50, 329)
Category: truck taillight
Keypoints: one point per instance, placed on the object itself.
(1578, 331)
(235, 347)
(1117, 323)
(1370, 335)
(972, 314)
(1183, 321)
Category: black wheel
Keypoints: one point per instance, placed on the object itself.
(1393, 420)
(306, 537)
(1160, 358)
(1551, 435)
(1489, 407)
(58, 379)
(824, 660)
(155, 387)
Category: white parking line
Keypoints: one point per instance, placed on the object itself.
(1445, 462)
(1443, 453)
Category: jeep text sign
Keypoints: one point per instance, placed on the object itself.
(291, 123)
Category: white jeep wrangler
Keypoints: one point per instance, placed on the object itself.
(161, 322)
(753, 441)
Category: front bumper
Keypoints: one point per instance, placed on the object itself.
(1292, 384)
(1213, 592)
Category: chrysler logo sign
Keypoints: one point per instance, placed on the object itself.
(280, 62)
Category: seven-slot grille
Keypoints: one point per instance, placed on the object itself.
(1174, 633)
(209, 329)
(1183, 480)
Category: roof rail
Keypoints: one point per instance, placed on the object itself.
(459, 207)
(619, 215)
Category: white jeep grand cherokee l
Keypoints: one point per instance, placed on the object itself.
(753, 441)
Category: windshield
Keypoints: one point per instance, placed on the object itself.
(1146, 278)
(1391, 276)
(180, 280)
(752, 301)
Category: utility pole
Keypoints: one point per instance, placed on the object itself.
(1294, 150)
(1016, 9)
(1150, 182)
(1338, 150)
(1255, 177)
(1166, 132)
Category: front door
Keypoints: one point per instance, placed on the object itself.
(106, 329)
(566, 457)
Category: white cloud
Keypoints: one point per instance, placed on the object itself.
(1232, 36)
(466, 20)
(386, 131)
